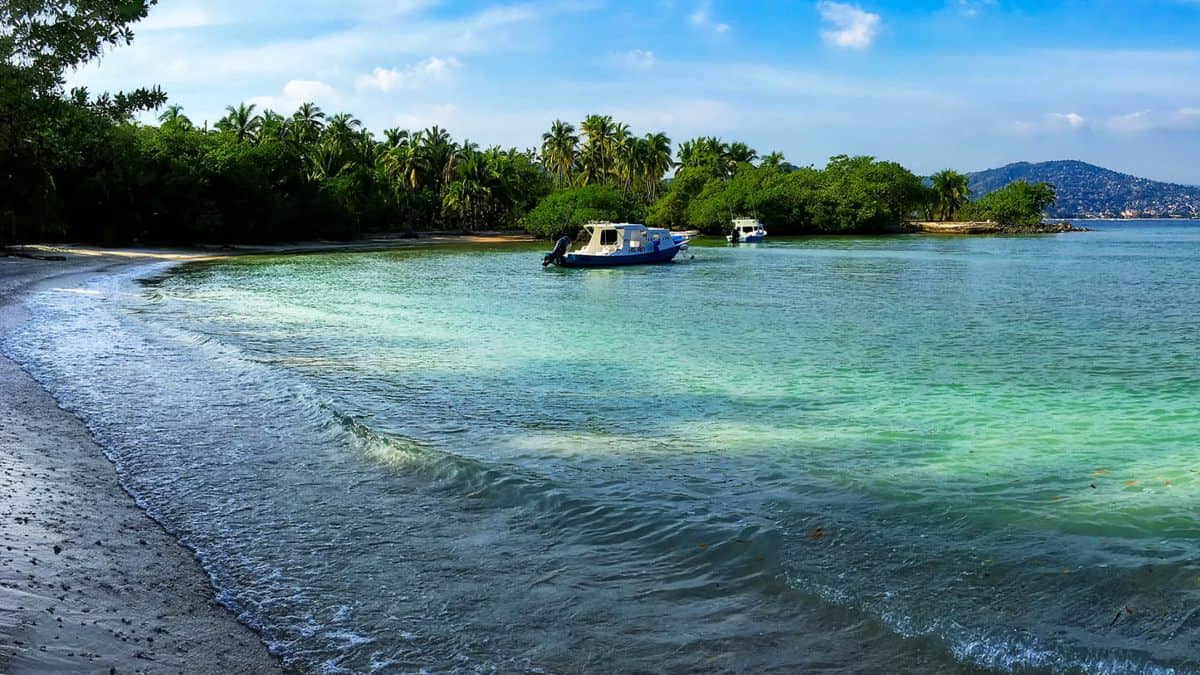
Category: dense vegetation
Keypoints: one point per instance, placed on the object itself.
(75, 166)
(1019, 203)
(1085, 190)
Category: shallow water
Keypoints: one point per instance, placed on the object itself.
(902, 454)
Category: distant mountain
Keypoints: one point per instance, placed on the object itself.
(1087, 191)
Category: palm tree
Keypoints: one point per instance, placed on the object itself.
(405, 164)
(775, 160)
(709, 153)
(241, 122)
(343, 128)
(309, 122)
(740, 153)
(324, 161)
(656, 163)
(469, 195)
(596, 156)
(274, 126)
(560, 150)
(394, 137)
(173, 116)
(951, 189)
(440, 154)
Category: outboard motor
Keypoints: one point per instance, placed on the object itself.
(560, 250)
(735, 235)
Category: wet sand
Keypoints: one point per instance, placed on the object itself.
(89, 583)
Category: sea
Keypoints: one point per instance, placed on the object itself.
(901, 454)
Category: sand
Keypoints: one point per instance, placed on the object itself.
(88, 582)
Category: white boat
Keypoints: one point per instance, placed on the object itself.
(746, 231)
(617, 244)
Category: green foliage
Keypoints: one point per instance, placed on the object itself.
(1018, 203)
(671, 210)
(852, 194)
(950, 191)
(565, 212)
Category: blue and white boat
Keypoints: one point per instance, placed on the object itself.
(619, 244)
(746, 231)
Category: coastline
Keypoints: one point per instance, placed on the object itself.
(88, 581)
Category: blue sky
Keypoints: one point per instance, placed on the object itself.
(967, 84)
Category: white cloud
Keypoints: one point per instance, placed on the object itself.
(296, 92)
(1142, 121)
(703, 18)
(1134, 122)
(1188, 114)
(1052, 123)
(445, 115)
(433, 70)
(849, 26)
(177, 17)
(636, 58)
(971, 8)
(1072, 120)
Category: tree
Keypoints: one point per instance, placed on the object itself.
(595, 159)
(560, 149)
(173, 117)
(41, 127)
(43, 39)
(774, 159)
(1018, 203)
(309, 122)
(566, 211)
(394, 137)
(740, 153)
(657, 162)
(241, 122)
(951, 190)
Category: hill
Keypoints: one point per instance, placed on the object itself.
(1088, 191)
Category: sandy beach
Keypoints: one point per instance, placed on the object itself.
(88, 582)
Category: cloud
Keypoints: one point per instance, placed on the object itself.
(296, 92)
(849, 26)
(636, 58)
(971, 8)
(178, 17)
(433, 70)
(1134, 122)
(1052, 123)
(1143, 121)
(703, 18)
(1071, 120)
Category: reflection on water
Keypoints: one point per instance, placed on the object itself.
(896, 454)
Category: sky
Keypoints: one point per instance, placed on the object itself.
(966, 84)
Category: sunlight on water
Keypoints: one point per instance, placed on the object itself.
(890, 454)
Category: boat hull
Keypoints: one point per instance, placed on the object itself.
(649, 258)
(749, 239)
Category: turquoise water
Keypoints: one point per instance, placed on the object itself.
(899, 454)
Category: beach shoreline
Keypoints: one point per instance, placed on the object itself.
(89, 582)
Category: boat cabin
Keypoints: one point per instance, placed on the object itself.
(747, 226)
(623, 239)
